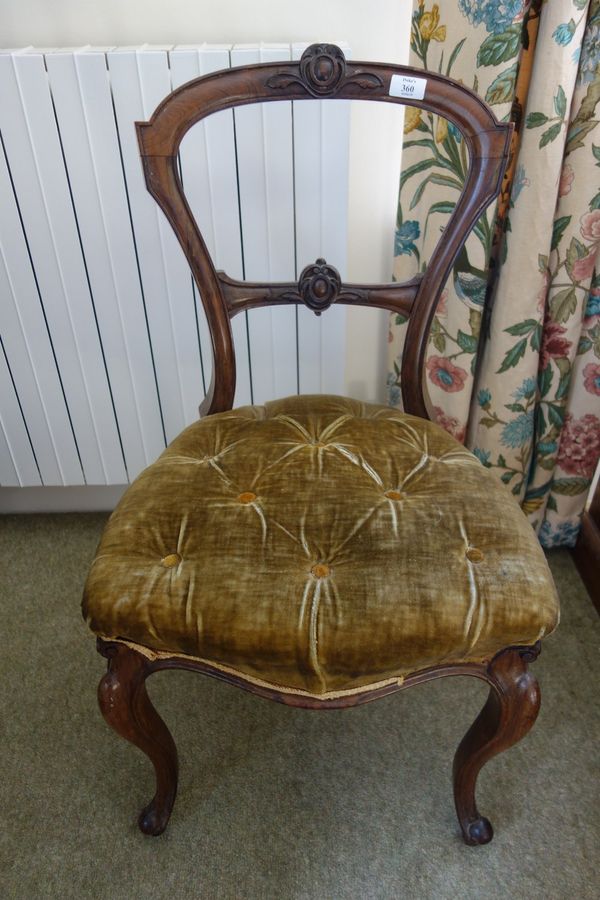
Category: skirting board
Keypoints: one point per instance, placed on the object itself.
(87, 498)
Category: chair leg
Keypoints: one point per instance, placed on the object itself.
(126, 707)
(509, 713)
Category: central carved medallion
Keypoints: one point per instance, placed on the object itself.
(323, 68)
(319, 285)
(323, 71)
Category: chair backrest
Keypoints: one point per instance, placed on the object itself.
(322, 73)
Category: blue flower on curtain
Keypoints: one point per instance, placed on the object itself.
(518, 432)
(593, 305)
(564, 535)
(563, 35)
(496, 16)
(520, 181)
(394, 393)
(484, 398)
(526, 390)
(483, 456)
(590, 54)
(406, 235)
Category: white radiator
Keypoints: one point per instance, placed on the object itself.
(105, 352)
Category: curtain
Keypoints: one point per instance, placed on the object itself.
(514, 372)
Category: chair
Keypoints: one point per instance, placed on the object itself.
(320, 551)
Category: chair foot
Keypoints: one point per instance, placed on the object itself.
(478, 832)
(153, 821)
(510, 711)
(126, 707)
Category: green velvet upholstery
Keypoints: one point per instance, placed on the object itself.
(322, 545)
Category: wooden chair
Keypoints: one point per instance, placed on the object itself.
(319, 551)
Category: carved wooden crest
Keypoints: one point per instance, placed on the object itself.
(319, 286)
(323, 71)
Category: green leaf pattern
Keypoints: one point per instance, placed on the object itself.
(533, 416)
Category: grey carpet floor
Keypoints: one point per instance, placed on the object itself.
(275, 802)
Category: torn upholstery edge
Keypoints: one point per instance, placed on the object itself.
(244, 676)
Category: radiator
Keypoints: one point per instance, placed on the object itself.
(105, 351)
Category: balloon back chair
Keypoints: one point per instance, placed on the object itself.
(317, 550)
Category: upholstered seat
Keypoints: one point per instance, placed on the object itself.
(320, 544)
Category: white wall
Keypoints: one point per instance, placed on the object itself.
(377, 31)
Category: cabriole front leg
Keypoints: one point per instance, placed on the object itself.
(510, 711)
(126, 707)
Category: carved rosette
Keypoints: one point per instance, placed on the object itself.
(319, 286)
(322, 68)
(323, 71)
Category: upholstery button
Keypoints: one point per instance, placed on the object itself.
(474, 554)
(320, 570)
(247, 497)
(173, 559)
(394, 495)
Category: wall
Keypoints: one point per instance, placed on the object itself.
(377, 31)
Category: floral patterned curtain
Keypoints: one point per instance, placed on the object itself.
(523, 390)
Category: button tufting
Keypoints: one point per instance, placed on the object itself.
(172, 559)
(394, 495)
(474, 554)
(262, 581)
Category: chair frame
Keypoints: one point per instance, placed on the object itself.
(321, 73)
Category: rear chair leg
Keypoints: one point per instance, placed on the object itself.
(126, 707)
(511, 709)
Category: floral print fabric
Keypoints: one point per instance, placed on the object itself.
(527, 400)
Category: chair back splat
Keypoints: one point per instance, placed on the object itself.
(322, 73)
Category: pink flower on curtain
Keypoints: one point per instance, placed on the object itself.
(580, 445)
(449, 424)
(554, 345)
(442, 307)
(543, 293)
(591, 378)
(566, 180)
(445, 374)
(590, 226)
(583, 269)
